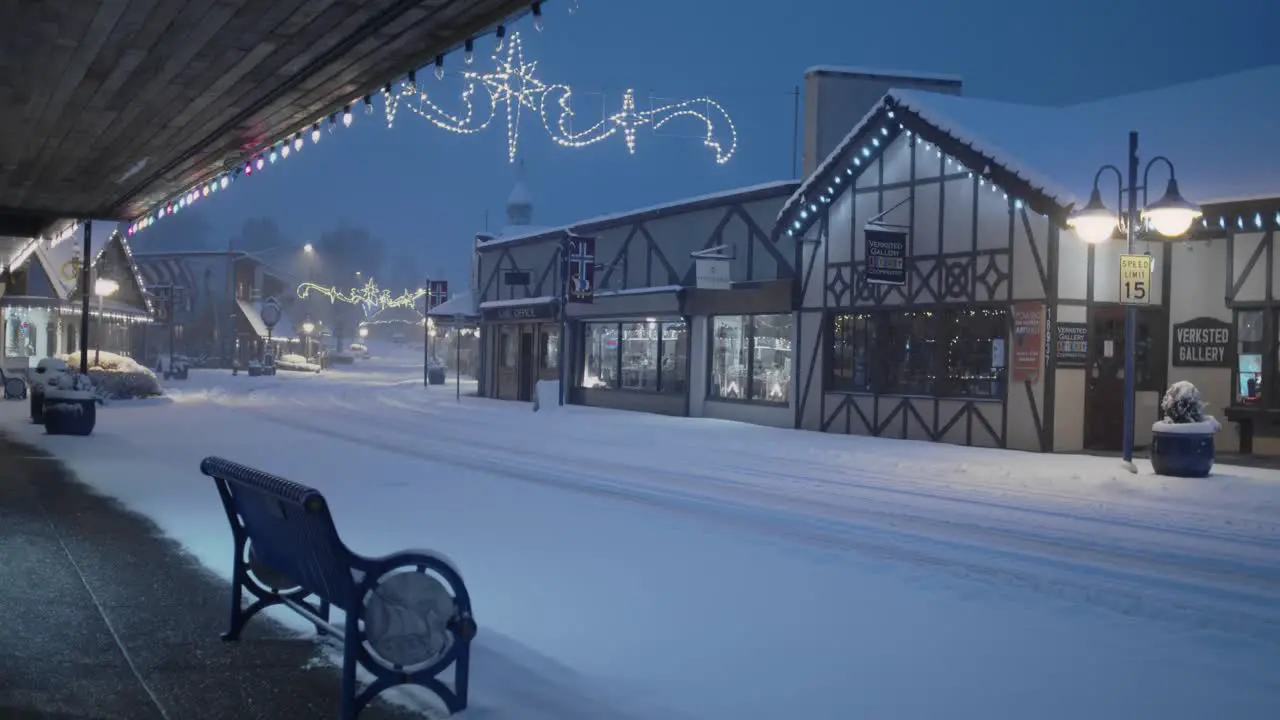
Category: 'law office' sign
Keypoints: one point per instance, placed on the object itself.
(1202, 342)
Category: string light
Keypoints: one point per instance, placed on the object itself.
(537, 17)
(469, 52)
(803, 212)
(373, 299)
(439, 67)
(346, 116)
(514, 87)
(315, 133)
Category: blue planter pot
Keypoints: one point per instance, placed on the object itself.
(70, 416)
(1182, 454)
(435, 376)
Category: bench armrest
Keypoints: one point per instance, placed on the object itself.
(370, 569)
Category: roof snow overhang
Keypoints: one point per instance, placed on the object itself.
(115, 108)
(1039, 154)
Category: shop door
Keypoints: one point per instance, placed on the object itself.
(527, 367)
(1104, 396)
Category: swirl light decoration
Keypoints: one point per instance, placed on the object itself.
(371, 298)
(513, 88)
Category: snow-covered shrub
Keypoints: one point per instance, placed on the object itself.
(1182, 404)
(116, 377)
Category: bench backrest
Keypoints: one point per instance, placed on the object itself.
(289, 528)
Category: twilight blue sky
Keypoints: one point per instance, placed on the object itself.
(425, 191)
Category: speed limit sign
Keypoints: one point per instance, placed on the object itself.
(1135, 279)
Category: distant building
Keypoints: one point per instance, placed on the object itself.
(217, 313)
(41, 303)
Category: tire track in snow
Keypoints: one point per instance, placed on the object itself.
(1207, 597)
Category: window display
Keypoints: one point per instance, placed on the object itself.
(674, 377)
(976, 353)
(600, 368)
(648, 355)
(910, 353)
(1250, 331)
(852, 339)
(549, 347)
(640, 356)
(957, 353)
(751, 358)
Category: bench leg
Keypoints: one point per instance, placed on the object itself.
(350, 706)
(240, 615)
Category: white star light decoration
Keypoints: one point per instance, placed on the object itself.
(513, 86)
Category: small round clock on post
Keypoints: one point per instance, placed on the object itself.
(271, 314)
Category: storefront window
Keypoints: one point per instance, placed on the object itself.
(751, 358)
(910, 353)
(674, 377)
(508, 348)
(960, 353)
(600, 371)
(771, 358)
(640, 356)
(852, 340)
(729, 353)
(549, 347)
(1251, 347)
(649, 355)
(975, 353)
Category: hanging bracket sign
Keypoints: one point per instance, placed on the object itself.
(886, 255)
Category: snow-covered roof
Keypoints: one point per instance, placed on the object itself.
(1216, 131)
(515, 232)
(726, 195)
(253, 315)
(461, 303)
(595, 223)
(881, 73)
(517, 302)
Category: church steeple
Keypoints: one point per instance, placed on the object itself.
(520, 203)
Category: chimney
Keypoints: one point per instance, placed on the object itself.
(836, 98)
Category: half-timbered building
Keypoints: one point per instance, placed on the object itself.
(942, 296)
(40, 309)
(651, 339)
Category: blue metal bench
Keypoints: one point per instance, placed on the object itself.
(287, 552)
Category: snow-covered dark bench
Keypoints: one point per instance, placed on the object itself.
(408, 615)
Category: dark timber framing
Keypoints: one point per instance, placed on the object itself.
(119, 106)
(945, 279)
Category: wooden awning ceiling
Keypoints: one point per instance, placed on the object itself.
(113, 106)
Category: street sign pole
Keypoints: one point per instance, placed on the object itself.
(426, 336)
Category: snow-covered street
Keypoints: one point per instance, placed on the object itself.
(633, 566)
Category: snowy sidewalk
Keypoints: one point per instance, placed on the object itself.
(104, 619)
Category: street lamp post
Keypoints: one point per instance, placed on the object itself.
(1170, 216)
(102, 287)
(308, 327)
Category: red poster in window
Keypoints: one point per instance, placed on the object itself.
(1028, 341)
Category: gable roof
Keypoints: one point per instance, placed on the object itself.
(1216, 132)
(55, 256)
